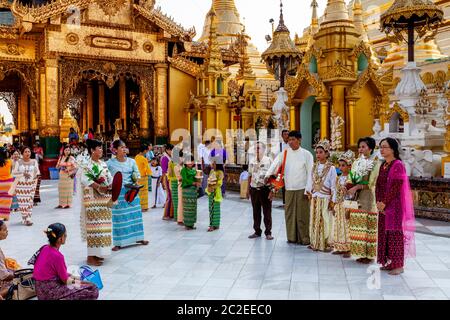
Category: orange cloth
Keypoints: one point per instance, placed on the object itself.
(5, 171)
(12, 264)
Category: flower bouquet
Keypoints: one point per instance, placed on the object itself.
(358, 176)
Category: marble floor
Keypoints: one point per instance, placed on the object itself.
(225, 264)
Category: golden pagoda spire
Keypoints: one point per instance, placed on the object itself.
(214, 61)
(358, 17)
(336, 10)
(245, 68)
(314, 20)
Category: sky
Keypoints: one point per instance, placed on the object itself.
(257, 13)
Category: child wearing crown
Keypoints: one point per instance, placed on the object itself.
(341, 231)
(322, 192)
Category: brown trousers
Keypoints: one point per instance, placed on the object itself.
(260, 198)
(297, 210)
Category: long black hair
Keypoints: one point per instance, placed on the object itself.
(371, 143)
(66, 146)
(1, 223)
(394, 145)
(117, 143)
(54, 232)
(3, 156)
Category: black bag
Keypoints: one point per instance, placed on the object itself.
(23, 287)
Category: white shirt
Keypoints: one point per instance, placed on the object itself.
(206, 153)
(298, 168)
(200, 152)
(329, 182)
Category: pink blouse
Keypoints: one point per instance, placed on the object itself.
(50, 265)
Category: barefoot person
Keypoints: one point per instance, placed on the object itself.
(396, 224)
(145, 172)
(166, 160)
(341, 232)
(298, 168)
(363, 221)
(66, 166)
(190, 195)
(128, 227)
(26, 171)
(321, 189)
(214, 192)
(260, 193)
(96, 215)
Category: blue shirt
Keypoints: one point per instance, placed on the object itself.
(128, 169)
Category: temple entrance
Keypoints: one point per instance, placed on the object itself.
(114, 100)
(310, 123)
(16, 121)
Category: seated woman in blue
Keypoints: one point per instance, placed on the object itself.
(128, 227)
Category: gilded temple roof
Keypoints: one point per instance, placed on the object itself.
(53, 8)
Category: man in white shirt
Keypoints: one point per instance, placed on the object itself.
(297, 173)
(284, 143)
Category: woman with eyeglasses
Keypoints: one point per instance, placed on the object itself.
(396, 222)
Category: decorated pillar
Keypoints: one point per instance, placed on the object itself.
(50, 132)
(161, 103)
(351, 123)
(292, 119)
(90, 106)
(42, 101)
(144, 116)
(324, 120)
(23, 113)
(101, 105)
(123, 101)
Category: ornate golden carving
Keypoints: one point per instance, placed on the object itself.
(427, 78)
(73, 71)
(338, 71)
(387, 114)
(103, 42)
(148, 47)
(49, 131)
(185, 65)
(387, 77)
(363, 78)
(110, 7)
(28, 73)
(13, 49)
(72, 38)
(39, 14)
(363, 48)
(303, 74)
(165, 23)
(7, 32)
(312, 52)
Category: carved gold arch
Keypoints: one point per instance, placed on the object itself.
(387, 115)
(28, 73)
(312, 52)
(363, 79)
(303, 74)
(427, 78)
(72, 72)
(363, 48)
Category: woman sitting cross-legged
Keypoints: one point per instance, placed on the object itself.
(50, 271)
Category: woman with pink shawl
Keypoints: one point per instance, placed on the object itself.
(396, 223)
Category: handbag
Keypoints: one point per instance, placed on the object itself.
(277, 182)
(90, 275)
(23, 287)
(12, 189)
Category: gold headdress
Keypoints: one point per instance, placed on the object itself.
(348, 157)
(325, 144)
